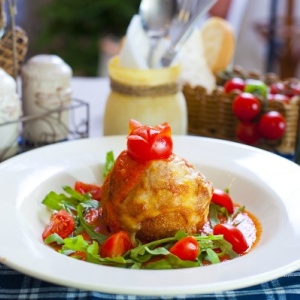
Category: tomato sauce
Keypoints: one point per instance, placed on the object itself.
(245, 221)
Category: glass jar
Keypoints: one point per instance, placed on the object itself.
(149, 96)
(10, 112)
(46, 92)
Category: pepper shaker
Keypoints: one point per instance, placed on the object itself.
(46, 94)
(10, 111)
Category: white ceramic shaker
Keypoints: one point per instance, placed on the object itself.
(10, 112)
(46, 95)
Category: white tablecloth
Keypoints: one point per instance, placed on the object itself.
(95, 92)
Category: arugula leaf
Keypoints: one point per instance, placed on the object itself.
(54, 238)
(76, 243)
(76, 195)
(53, 200)
(109, 163)
(212, 256)
(141, 252)
(88, 228)
(214, 211)
(226, 247)
(171, 262)
(69, 201)
(157, 251)
(180, 234)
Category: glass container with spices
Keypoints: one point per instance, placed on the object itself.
(46, 93)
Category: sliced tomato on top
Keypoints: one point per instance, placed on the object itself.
(133, 124)
(116, 245)
(84, 188)
(147, 143)
(61, 223)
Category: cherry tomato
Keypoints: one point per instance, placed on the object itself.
(93, 189)
(186, 248)
(272, 125)
(147, 143)
(116, 245)
(292, 88)
(234, 84)
(279, 98)
(248, 133)
(232, 235)
(61, 223)
(276, 88)
(246, 106)
(222, 198)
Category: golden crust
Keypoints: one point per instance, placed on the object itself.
(164, 197)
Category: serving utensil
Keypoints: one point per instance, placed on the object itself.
(190, 13)
(157, 17)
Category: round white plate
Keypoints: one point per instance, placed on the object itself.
(265, 183)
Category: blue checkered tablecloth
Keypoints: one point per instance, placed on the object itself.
(14, 285)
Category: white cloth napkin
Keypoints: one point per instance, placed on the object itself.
(136, 46)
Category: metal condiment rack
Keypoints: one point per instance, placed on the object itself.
(78, 126)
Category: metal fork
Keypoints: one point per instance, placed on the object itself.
(184, 14)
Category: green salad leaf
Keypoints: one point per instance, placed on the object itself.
(109, 163)
(68, 200)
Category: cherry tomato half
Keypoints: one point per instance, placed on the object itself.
(222, 198)
(279, 98)
(234, 84)
(186, 248)
(93, 189)
(116, 245)
(247, 133)
(272, 125)
(147, 143)
(246, 106)
(61, 223)
(232, 235)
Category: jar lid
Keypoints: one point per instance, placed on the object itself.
(46, 66)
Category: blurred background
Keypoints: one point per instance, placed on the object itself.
(85, 33)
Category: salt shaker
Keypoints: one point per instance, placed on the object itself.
(46, 94)
(10, 111)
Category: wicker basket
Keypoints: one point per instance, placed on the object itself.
(13, 44)
(211, 115)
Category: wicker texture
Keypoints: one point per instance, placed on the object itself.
(14, 42)
(7, 56)
(212, 116)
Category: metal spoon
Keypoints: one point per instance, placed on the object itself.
(157, 17)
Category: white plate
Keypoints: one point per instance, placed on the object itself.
(267, 184)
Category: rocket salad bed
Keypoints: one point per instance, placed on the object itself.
(76, 229)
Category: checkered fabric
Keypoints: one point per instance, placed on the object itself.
(14, 285)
